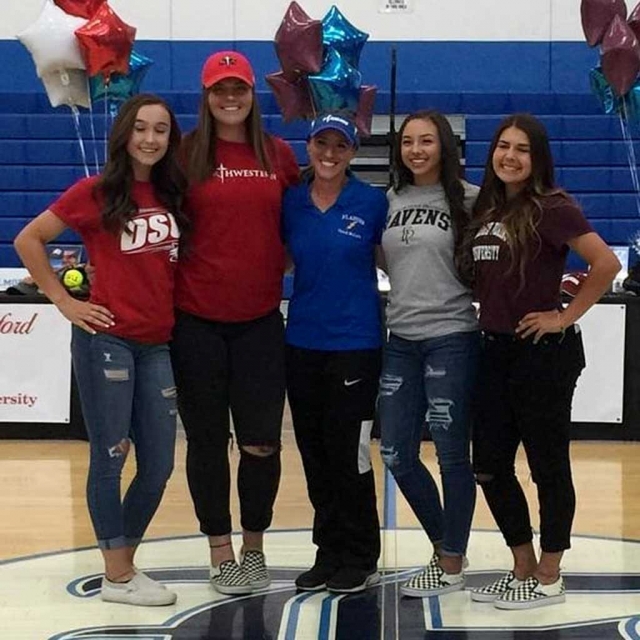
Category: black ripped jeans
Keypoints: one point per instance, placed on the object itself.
(524, 394)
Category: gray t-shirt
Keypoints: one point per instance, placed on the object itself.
(426, 299)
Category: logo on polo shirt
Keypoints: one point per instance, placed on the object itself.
(351, 226)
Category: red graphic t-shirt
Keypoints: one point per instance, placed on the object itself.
(134, 272)
(497, 285)
(235, 263)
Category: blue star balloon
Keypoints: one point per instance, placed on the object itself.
(121, 86)
(337, 86)
(603, 91)
(340, 35)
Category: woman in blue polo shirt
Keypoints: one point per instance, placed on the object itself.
(332, 225)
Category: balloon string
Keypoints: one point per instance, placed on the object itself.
(631, 152)
(106, 121)
(76, 122)
(93, 137)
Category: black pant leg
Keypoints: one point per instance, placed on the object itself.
(199, 359)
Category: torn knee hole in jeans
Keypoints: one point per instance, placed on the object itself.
(260, 450)
(169, 392)
(390, 384)
(432, 372)
(121, 449)
(484, 478)
(116, 375)
(389, 456)
(439, 413)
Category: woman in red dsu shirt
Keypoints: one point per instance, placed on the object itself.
(532, 354)
(228, 346)
(130, 219)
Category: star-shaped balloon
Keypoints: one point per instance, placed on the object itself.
(337, 86)
(68, 88)
(597, 16)
(121, 86)
(620, 56)
(81, 8)
(298, 43)
(634, 21)
(106, 42)
(293, 98)
(52, 42)
(339, 34)
(364, 114)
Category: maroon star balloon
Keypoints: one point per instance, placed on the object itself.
(293, 98)
(364, 114)
(620, 56)
(634, 21)
(299, 43)
(106, 42)
(80, 8)
(597, 16)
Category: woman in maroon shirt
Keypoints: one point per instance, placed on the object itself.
(532, 356)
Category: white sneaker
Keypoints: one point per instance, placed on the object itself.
(532, 593)
(141, 590)
(494, 590)
(230, 579)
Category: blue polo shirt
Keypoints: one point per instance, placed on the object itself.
(335, 303)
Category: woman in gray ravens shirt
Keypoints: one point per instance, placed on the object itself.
(431, 355)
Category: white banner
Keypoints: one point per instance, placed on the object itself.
(599, 394)
(35, 376)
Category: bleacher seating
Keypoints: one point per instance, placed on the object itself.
(40, 155)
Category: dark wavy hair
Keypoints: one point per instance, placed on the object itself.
(199, 145)
(450, 176)
(116, 181)
(520, 214)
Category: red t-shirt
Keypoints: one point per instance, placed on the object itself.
(497, 285)
(234, 265)
(134, 273)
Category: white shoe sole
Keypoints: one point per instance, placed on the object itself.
(260, 584)
(161, 599)
(232, 590)
(529, 604)
(485, 597)
(414, 592)
(371, 580)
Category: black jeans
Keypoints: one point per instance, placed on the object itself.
(524, 394)
(332, 397)
(218, 367)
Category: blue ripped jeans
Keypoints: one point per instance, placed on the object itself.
(127, 393)
(431, 380)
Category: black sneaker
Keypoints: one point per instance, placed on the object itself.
(315, 579)
(352, 580)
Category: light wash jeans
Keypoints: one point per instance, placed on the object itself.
(431, 380)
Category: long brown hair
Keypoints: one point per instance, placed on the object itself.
(521, 214)
(450, 174)
(116, 181)
(199, 145)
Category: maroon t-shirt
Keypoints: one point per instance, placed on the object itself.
(134, 272)
(497, 285)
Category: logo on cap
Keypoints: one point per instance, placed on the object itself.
(332, 118)
(227, 61)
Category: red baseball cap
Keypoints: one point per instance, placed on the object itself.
(227, 64)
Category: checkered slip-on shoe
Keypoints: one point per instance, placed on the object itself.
(530, 594)
(492, 591)
(229, 578)
(254, 565)
(432, 581)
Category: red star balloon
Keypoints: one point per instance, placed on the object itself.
(80, 8)
(299, 43)
(293, 98)
(106, 43)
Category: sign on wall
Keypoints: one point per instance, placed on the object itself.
(396, 6)
(35, 376)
